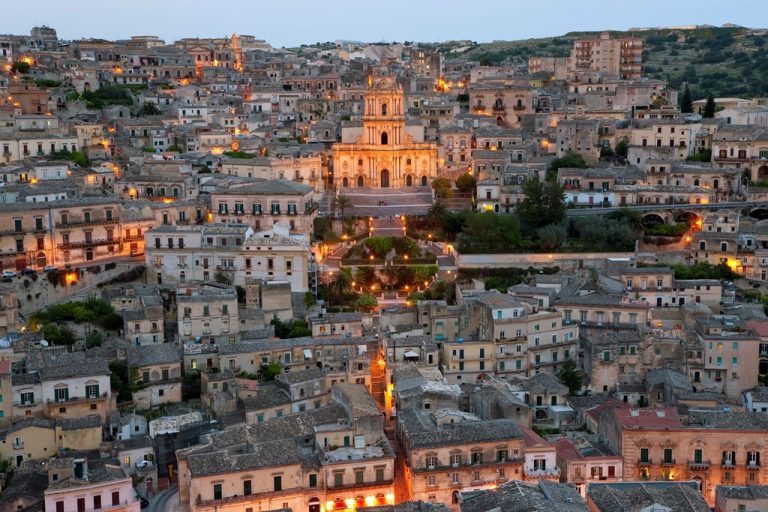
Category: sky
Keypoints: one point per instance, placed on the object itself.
(295, 22)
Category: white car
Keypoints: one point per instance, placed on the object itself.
(9, 274)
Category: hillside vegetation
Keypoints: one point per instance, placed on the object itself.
(721, 61)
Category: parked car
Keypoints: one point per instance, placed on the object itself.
(48, 268)
(9, 274)
(28, 272)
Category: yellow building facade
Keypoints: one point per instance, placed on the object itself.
(384, 152)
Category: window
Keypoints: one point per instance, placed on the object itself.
(379, 474)
(644, 455)
(61, 394)
(115, 498)
(246, 487)
(277, 482)
(92, 390)
(97, 502)
(338, 479)
(313, 480)
(217, 491)
(668, 456)
(359, 476)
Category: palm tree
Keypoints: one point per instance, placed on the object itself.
(343, 281)
(437, 213)
(342, 202)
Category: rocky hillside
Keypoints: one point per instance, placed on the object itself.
(721, 61)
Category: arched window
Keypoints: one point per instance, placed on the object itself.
(384, 138)
(383, 109)
(360, 162)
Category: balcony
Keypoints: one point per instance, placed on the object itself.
(499, 108)
(753, 465)
(78, 399)
(644, 463)
(86, 243)
(133, 238)
(699, 465)
(542, 473)
(76, 222)
(467, 464)
(728, 464)
(731, 160)
(666, 463)
(519, 107)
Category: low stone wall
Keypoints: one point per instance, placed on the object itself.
(568, 262)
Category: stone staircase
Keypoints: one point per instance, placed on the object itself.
(383, 202)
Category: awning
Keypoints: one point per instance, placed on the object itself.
(411, 353)
(307, 353)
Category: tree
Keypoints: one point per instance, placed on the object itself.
(20, 67)
(466, 183)
(570, 376)
(367, 302)
(710, 107)
(342, 202)
(552, 237)
(436, 214)
(686, 102)
(442, 187)
(543, 204)
(149, 109)
(570, 159)
(622, 147)
(270, 371)
(490, 233)
(342, 281)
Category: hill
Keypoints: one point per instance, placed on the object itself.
(726, 61)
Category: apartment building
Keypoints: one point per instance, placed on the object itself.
(263, 204)
(620, 57)
(33, 438)
(354, 468)
(79, 484)
(57, 384)
(158, 375)
(177, 253)
(527, 339)
(448, 452)
(742, 147)
(583, 459)
(206, 310)
(276, 255)
(711, 448)
(507, 103)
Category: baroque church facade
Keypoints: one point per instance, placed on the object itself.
(384, 152)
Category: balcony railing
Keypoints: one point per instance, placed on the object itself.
(728, 464)
(78, 399)
(543, 473)
(698, 464)
(86, 243)
(76, 222)
(667, 462)
(644, 463)
(466, 464)
(753, 465)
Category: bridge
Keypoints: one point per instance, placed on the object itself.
(675, 212)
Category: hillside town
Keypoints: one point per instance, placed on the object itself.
(242, 278)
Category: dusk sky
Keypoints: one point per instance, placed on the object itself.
(293, 22)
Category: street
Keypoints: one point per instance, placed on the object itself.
(165, 501)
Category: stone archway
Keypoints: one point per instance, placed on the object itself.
(409, 181)
(384, 180)
(41, 260)
(424, 182)
(360, 181)
(345, 182)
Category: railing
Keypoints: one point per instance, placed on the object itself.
(668, 462)
(644, 463)
(77, 399)
(728, 464)
(72, 223)
(753, 465)
(467, 464)
(86, 243)
(542, 473)
(698, 464)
